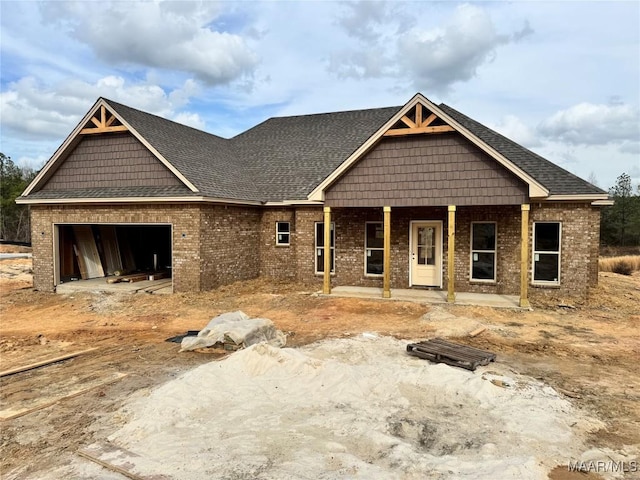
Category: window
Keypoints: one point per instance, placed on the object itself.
(320, 247)
(483, 251)
(546, 252)
(283, 234)
(373, 248)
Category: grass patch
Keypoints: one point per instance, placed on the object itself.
(625, 265)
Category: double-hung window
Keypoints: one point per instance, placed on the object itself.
(374, 248)
(483, 251)
(320, 247)
(283, 234)
(546, 252)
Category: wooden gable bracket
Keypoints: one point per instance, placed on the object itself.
(420, 125)
(105, 123)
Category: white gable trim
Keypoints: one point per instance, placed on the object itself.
(73, 139)
(536, 190)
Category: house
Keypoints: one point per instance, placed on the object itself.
(418, 196)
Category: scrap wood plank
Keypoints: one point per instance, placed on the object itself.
(10, 414)
(159, 286)
(134, 277)
(442, 351)
(87, 251)
(43, 363)
(123, 461)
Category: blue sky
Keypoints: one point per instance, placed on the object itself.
(561, 78)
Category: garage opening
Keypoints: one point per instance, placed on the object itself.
(114, 257)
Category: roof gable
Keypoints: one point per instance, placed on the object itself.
(420, 116)
(295, 159)
(101, 119)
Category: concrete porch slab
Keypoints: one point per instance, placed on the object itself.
(428, 296)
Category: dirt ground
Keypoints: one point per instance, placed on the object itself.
(590, 353)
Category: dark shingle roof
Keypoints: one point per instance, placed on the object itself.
(556, 179)
(286, 158)
(116, 192)
(206, 160)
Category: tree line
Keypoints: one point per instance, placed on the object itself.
(15, 224)
(620, 225)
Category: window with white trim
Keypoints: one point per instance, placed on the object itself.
(320, 247)
(283, 234)
(546, 252)
(374, 248)
(483, 251)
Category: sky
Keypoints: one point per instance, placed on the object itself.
(561, 78)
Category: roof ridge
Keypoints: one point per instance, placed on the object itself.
(159, 117)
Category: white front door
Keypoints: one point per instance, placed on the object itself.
(426, 254)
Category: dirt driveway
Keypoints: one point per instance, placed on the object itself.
(590, 353)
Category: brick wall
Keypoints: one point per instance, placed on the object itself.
(229, 245)
(184, 219)
(304, 246)
(215, 245)
(278, 261)
(579, 249)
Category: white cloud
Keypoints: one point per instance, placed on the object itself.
(166, 35)
(190, 119)
(595, 124)
(431, 59)
(30, 110)
(513, 128)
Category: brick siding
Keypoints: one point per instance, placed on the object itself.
(214, 245)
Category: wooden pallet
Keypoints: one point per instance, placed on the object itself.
(440, 351)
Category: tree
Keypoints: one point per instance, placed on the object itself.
(14, 219)
(621, 222)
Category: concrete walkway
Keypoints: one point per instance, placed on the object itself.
(429, 296)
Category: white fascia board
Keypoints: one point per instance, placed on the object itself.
(578, 197)
(536, 190)
(70, 201)
(603, 203)
(292, 203)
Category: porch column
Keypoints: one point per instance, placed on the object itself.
(386, 265)
(524, 256)
(326, 286)
(451, 246)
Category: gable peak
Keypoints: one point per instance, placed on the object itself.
(103, 120)
(418, 119)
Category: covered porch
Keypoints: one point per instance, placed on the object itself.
(467, 255)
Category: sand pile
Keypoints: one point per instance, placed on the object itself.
(351, 407)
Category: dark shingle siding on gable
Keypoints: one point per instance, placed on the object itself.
(115, 160)
(426, 170)
(556, 179)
